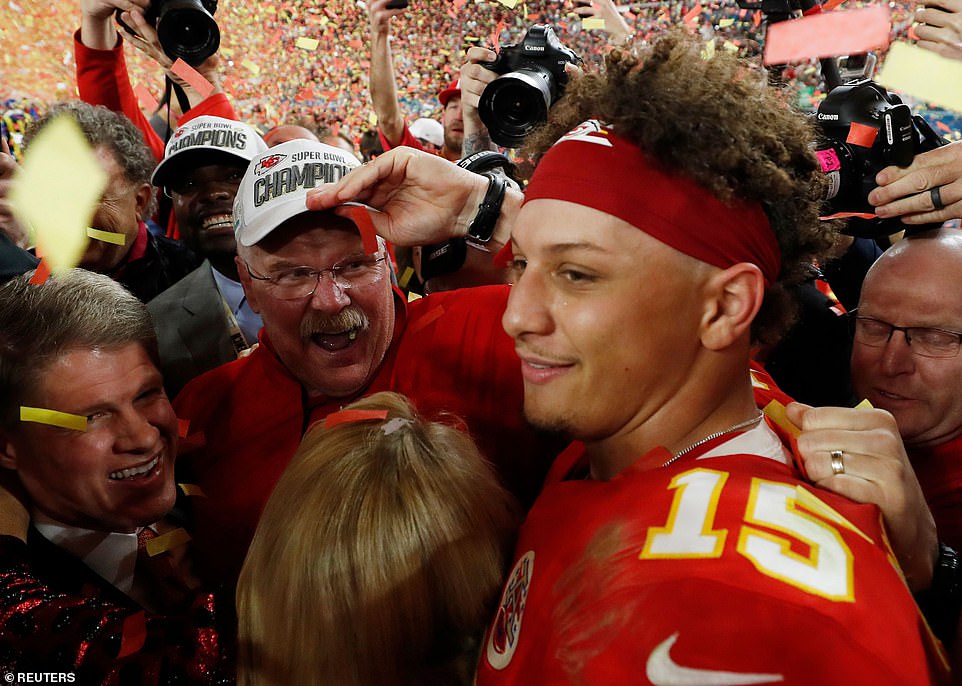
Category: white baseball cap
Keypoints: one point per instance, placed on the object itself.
(276, 183)
(430, 130)
(207, 140)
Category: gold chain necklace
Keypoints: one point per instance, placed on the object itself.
(741, 425)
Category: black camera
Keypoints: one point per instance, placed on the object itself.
(532, 79)
(185, 28)
(865, 129)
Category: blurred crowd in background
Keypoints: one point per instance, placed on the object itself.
(270, 80)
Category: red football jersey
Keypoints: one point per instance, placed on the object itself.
(728, 569)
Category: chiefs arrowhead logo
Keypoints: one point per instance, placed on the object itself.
(268, 163)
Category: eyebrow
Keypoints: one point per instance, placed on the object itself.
(559, 248)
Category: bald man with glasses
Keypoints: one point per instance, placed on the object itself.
(905, 359)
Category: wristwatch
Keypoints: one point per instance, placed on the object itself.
(482, 226)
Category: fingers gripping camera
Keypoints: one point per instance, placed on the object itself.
(865, 129)
(532, 79)
(185, 28)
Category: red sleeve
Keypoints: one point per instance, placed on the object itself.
(102, 79)
(407, 139)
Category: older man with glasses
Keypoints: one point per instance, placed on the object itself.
(905, 359)
(336, 329)
(204, 320)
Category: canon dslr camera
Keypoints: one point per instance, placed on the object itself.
(185, 28)
(851, 155)
(532, 79)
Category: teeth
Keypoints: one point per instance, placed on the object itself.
(217, 220)
(135, 471)
(351, 336)
(537, 366)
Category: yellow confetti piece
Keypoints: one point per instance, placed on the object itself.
(107, 236)
(923, 74)
(307, 43)
(53, 418)
(412, 296)
(725, 23)
(864, 405)
(372, 119)
(730, 47)
(193, 489)
(168, 541)
(406, 277)
(708, 52)
(776, 412)
(251, 66)
(589, 23)
(510, 4)
(60, 159)
(812, 503)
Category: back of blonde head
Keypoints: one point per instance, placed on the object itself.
(377, 557)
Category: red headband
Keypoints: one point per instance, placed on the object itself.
(591, 166)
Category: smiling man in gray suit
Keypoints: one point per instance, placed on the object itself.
(205, 321)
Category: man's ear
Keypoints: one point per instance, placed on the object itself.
(8, 454)
(144, 195)
(733, 298)
(246, 282)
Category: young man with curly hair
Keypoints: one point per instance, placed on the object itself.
(677, 541)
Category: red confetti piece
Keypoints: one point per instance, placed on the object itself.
(861, 135)
(348, 416)
(133, 635)
(496, 35)
(182, 427)
(42, 274)
(192, 77)
(692, 16)
(361, 216)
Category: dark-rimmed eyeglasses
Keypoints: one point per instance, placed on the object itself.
(301, 282)
(926, 341)
(188, 186)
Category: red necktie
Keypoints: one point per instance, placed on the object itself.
(159, 580)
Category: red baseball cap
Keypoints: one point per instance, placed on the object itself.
(450, 92)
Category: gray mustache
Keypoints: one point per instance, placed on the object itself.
(345, 320)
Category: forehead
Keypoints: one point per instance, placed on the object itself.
(87, 375)
(110, 164)
(922, 280)
(213, 171)
(312, 235)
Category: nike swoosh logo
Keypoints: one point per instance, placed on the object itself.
(661, 670)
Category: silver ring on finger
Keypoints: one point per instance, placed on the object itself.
(838, 465)
(936, 194)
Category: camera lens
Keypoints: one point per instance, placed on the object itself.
(514, 104)
(186, 30)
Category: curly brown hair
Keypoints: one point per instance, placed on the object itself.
(718, 122)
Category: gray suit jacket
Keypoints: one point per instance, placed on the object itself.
(191, 329)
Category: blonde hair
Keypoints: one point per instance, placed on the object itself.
(378, 556)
